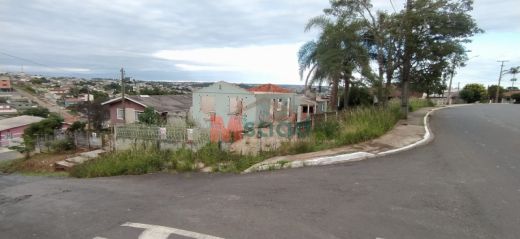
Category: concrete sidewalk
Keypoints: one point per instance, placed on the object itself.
(406, 134)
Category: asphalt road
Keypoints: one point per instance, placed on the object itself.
(464, 184)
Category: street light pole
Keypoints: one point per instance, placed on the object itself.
(499, 79)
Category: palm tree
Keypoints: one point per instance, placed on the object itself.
(336, 54)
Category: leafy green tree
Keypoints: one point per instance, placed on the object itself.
(149, 116)
(492, 93)
(43, 128)
(378, 34)
(432, 32)
(39, 111)
(472, 93)
(77, 126)
(94, 111)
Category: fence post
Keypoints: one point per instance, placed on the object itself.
(114, 138)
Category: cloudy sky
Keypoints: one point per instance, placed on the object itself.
(205, 40)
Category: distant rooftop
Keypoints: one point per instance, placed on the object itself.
(160, 103)
(18, 121)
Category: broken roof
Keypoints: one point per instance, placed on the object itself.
(160, 103)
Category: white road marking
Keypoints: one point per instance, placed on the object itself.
(160, 232)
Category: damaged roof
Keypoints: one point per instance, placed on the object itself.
(160, 103)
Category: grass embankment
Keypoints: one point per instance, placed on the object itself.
(38, 165)
(141, 161)
(353, 126)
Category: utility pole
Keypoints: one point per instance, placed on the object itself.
(123, 94)
(449, 88)
(88, 117)
(499, 79)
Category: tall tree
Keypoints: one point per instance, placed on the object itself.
(433, 30)
(336, 55)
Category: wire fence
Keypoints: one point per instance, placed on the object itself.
(169, 136)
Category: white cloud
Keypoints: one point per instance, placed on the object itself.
(278, 63)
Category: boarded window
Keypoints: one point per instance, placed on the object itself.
(120, 113)
(233, 104)
(207, 104)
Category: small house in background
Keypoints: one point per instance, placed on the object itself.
(5, 84)
(169, 107)
(11, 129)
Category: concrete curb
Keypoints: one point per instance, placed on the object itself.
(351, 157)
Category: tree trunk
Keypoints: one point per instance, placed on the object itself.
(389, 76)
(346, 93)
(380, 63)
(334, 94)
(407, 61)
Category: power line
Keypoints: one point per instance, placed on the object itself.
(36, 63)
(25, 59)
(393, 7)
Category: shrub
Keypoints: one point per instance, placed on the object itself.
(39, 111)
(62, 145)
(472, 93)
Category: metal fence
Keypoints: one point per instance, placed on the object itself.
(169, 136)
(47, 142)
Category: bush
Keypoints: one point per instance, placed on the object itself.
(472, 93)
(62, 145)
(39, 111)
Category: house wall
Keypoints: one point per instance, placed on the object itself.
(218, 98)
(130, 108)
(268, 109)
(13, 134)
